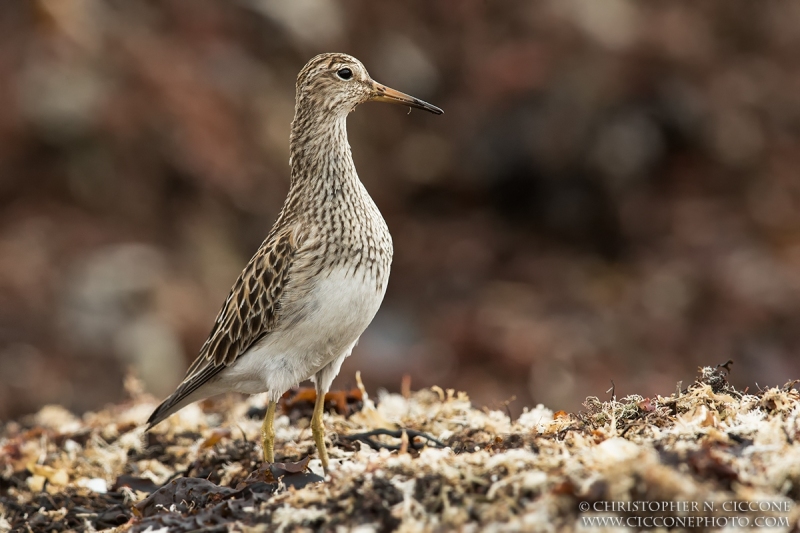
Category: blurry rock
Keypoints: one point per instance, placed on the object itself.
(106, 290)
(154, 351)
(755, 277)
(736, 137)
(83, 21)
(385, 345)
(317, 23)
(684, 108)
(667, 294)
(627, 147)
(61, 99)
(425, 157)
(27, 265)
(399, 58)
(613, 23)
(110, 308)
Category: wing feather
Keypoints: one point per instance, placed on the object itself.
(251, 312)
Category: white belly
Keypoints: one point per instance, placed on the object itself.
(326, 326)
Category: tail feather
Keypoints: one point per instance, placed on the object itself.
(166, 409)
(189, 391)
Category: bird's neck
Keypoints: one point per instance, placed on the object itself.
(322, 163)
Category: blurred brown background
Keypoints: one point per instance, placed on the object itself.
(612, 193)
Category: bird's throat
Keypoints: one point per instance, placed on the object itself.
(321, 160)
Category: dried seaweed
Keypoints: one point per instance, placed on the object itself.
(369, 439)
(454, 466)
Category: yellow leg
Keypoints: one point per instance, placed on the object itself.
(318, 430)
(268, 434)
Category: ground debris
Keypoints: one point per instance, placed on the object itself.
(299, 402)
(416, 439)
(426, 462)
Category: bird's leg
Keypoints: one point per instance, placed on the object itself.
(268, 433)
(318, 430)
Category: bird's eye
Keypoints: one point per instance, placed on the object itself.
(344, 73)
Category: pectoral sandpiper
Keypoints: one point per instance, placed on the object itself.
(301, 303)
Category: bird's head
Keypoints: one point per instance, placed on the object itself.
(337, 83)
